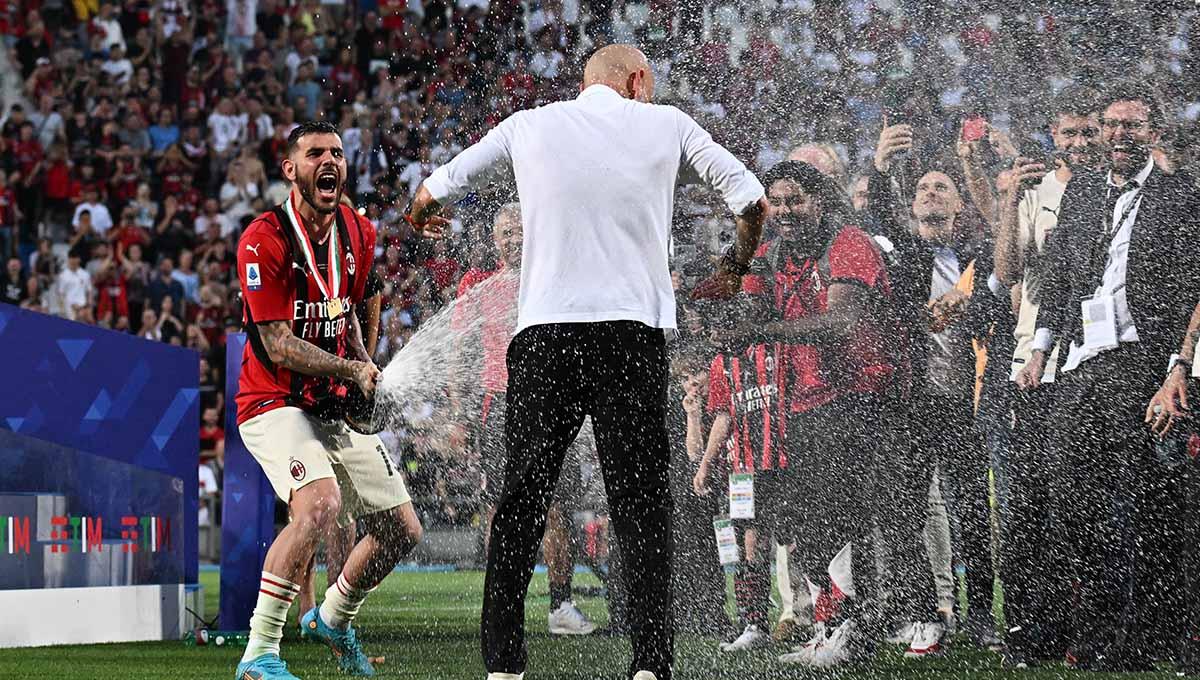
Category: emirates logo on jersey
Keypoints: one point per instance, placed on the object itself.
(297, 470)
(321, 320)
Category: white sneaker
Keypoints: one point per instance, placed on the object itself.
(568, 620)
(644, 675)
(927, 641)
(751, 638)
(836, 650)
(904, 634)
(505, 676)
(803, 654)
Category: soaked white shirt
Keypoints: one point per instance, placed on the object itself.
(596, 177)
(1113, 282)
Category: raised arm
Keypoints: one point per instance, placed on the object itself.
(483, 162)
(1015, 226)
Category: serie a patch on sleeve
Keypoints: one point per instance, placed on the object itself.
(253, 280)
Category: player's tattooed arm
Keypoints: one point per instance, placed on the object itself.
(286, 350)
(356, 340)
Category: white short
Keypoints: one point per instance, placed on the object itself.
(294, 449)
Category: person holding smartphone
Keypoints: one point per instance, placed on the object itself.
(1030, 196)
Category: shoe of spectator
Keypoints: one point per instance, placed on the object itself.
(929, 640)
(751, 638)
(904, 634)
(842, 647)
(786, 631)
(981, 631)
(568, 620)
(1086, 658)
(1015, 659)
(803, 654)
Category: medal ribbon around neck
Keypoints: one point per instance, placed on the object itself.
(329, 290)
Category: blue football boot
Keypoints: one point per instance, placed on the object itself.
(344, 643)
(265, 667)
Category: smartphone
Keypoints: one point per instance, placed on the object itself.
(974, 128)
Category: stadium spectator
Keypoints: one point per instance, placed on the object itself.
(1105, 380)
(942, 304)
(1030, 201)
(99, 219)
(14, 289)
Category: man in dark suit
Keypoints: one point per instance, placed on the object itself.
(1121, 282)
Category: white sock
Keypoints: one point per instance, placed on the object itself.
(341, 604)
(275, 595)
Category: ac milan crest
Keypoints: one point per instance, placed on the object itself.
(297, 469)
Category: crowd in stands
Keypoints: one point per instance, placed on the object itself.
(150, 133)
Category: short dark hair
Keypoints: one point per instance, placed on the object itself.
(1134, 91)
(1075, 100)
(314, 127)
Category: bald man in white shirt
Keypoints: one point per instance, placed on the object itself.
(596, 177)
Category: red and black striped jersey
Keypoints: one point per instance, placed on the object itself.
(750, 388)
(277, 283)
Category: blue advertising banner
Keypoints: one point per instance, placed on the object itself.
(248, 510)
(113, 396)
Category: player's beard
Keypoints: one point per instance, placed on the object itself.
(309, 194)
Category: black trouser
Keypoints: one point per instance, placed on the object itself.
(835, 462)
(1190, 652)
(944, 439)
(903, 467)
(1037, 594)
(699, 578)
(1111, 486)
(616, 372)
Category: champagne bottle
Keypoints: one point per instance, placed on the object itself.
(362, 414)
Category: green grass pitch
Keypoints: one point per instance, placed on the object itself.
(426, 624)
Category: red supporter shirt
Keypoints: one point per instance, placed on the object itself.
(495, 310)
(277, 284)
(863, 363)
(58, 181)
(443, 270)
(750, 388)
(112, 297)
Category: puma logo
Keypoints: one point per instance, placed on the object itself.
(254, 248)
(297, 266)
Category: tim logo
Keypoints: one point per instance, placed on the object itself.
(297, 470)
(253, 280)
(86, 534)
(14, 535)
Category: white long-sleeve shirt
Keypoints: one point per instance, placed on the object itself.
(596, 177)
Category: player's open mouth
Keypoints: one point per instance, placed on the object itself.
(327, 182)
